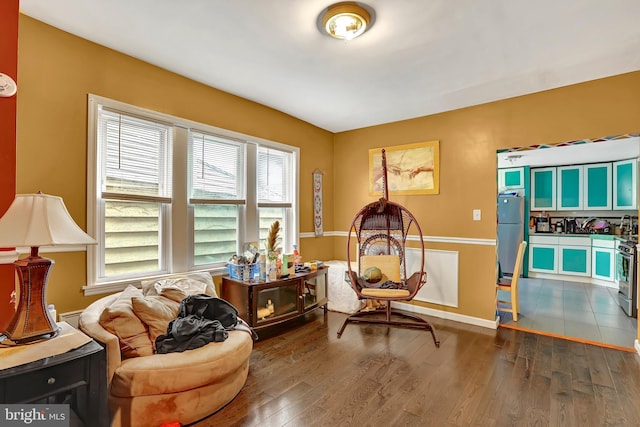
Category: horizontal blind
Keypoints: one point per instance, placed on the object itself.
(217, 169)
(136, 156)
(274, 177)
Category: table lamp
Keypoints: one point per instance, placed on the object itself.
(35, 220)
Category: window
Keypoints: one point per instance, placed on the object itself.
(216, 197)
(274, 191)
(134, 194)
(168, 195)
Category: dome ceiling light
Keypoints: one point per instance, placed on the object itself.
(346, 20)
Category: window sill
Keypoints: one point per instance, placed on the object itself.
(112, 287)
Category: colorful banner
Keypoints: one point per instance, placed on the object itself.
(317, 202)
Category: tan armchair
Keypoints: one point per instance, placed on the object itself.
(153, 389)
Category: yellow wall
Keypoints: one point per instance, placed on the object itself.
(58, 70)
(469, 139)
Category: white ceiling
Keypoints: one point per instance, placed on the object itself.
(420, 57)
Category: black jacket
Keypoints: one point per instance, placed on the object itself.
(202, 319)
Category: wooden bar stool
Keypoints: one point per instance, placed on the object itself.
(511, 285)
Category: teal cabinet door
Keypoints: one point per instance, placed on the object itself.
(543, 258)
(570, 187)
(575, 260)
(598, 186)
(603, 264)
(625, 184)
(512, 178)
(543, 189)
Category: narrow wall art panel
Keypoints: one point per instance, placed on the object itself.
(317, 202)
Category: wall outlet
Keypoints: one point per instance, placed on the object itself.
(477, 215)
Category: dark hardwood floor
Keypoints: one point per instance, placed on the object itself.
(387, 376)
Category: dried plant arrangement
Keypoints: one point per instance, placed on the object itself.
(272, 239)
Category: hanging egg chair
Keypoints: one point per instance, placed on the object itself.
(378, 235)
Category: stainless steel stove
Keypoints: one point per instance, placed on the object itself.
(626, 274)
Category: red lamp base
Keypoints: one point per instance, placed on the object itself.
(32, 321)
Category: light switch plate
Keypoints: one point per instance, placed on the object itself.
(477, 215)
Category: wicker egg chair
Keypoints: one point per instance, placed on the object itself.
(380, 231)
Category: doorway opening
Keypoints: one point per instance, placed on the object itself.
(585, 310)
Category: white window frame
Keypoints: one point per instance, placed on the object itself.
(240, 202)
(178, 245)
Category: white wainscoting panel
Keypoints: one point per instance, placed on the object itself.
(442, 275)
(71, 317)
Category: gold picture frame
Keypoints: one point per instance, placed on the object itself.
(411, 169)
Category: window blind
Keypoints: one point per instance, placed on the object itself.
(274, 175)
(136, 157)
(217, 169)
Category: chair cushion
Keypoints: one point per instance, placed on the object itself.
(504, 282)
(385, 293)
(120, 319)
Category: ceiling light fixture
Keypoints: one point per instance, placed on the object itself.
(346, 20)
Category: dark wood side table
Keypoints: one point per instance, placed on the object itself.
(81, 372)
(288, 297)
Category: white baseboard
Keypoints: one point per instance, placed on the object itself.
(570, 278)
(70, 317)
(462, 318)
(490, 324)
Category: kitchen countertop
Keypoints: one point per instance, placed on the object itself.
(631, 237)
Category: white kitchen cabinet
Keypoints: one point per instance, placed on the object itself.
(603, 259)
(570, 188)
(574, 256)
(543, 254)
(560, 255)
(543, 258)
(543, 189)
(625, 184)
(598, 186)
(511, 179)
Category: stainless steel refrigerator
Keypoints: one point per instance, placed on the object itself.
(510, 230)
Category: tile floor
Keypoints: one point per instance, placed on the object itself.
(578, 310)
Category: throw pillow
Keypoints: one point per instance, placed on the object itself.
(120, 319)
(156, 312)
(176, 295)
(191, 284)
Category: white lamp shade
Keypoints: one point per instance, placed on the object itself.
(40, 220)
